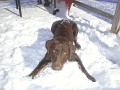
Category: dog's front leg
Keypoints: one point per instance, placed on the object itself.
(40, 66)
(77, 59)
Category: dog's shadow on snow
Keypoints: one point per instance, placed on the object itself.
(33, 54)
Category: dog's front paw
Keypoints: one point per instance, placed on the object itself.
(32, 75)
(91, 78)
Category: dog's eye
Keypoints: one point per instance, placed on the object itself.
(64, 53)
(53, 51)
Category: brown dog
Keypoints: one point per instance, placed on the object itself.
(61, 48)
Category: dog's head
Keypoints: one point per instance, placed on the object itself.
(59, 52)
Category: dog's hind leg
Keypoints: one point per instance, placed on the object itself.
(77, 59)
(75, 28)
(77, 44)
(40, 66)
(54, 26)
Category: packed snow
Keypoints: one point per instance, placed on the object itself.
(108, 6)
(22, 47)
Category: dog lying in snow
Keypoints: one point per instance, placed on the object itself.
(61, 48)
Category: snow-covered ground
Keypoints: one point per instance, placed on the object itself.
(108, 6)
(22, 46)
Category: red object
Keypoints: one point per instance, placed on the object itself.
(68, 4)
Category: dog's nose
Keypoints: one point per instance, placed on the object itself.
(57, 67)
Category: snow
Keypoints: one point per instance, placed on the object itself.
(108, 6)
(22, 46)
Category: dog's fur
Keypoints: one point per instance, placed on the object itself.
(61, 48)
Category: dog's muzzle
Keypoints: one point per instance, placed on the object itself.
(57, 65)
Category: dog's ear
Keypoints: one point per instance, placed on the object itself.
(72, 50)
(48, 44)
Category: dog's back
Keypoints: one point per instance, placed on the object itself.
(65, 29)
